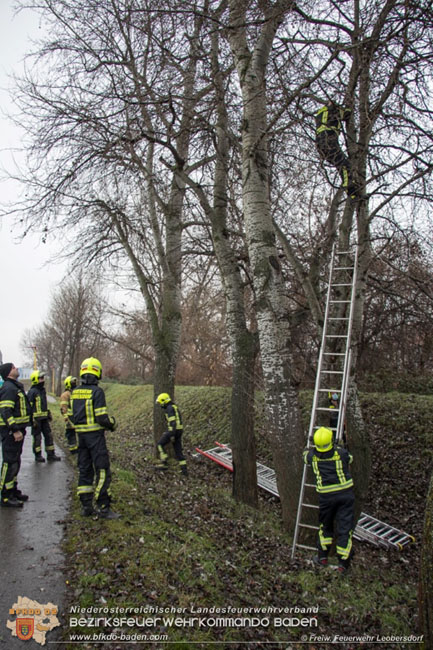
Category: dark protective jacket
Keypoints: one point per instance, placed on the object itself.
(15, 410)
(330, 118)
(173, 417)
(37, 396)
(88, 408)
(331, 469)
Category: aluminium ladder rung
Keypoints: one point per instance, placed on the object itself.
(343, 268)
(326, 408)
(332, 372)
(336, 336)
(309, 548)
(309, 526)
(336, 302)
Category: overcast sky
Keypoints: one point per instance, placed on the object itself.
(27, 279)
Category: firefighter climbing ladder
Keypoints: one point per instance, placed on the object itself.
(368, 529)
(333, 368)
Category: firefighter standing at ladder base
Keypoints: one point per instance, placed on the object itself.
(334, 484)
(88, 412)
(329, 121)
(15, 416)
(65, 401)
(37, 396)
(174, 433)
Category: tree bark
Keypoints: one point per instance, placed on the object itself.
(426, 573)
(282, 410)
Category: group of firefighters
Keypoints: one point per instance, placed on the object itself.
(86, 418)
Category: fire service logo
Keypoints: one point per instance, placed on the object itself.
(33, 619)
(25, 628)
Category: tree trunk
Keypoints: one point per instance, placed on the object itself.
(243, 441)
(426, 574)
(282, 410)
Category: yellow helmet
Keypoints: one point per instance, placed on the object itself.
(91, 366)
(323, 439)
(69, 381)
(163, 399)
(36, 377)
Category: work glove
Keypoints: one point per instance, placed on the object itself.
(50, 417)
(113, 423)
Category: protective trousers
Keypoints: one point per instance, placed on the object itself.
(71, 438)
(336, 506)
(42, 428)
(93, 462)
(330, 150)
(12, 451)
(176, 438)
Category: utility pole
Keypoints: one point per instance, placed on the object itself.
(35, 355)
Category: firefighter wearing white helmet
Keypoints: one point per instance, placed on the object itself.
(173, 434)
(89, 415)
(41, 419)
(334, 484)
(65, 402)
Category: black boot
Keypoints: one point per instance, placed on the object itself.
(52, 457)
(107, 513)
(20, 496)
(10, 502)
(39, 458)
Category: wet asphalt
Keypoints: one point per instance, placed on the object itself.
(31, 557)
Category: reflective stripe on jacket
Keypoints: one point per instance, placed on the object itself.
(15, 411)
(331, 469)
(88, 409)
(38, 401)
(329, 118)
(173, 417)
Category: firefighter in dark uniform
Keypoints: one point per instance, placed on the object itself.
(334, 484)
(37, 396)
(174, 433)
(15, 416)
(88, 412)
(329, 120)
(65, 401)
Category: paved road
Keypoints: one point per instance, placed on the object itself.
(31, 559)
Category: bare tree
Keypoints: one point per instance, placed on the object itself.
(69, 332)
(251, 35)
(117, 103)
